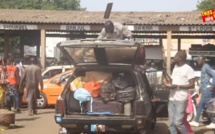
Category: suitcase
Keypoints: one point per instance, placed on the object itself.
(126, 95)
(72, 105)
(107, 88)
(108, 92)
(120, 83)
(100, 106)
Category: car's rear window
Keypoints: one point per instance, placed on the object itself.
(97, 55)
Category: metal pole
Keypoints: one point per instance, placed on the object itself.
(168, 66)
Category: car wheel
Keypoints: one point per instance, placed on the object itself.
(42, 101)
(153, 124)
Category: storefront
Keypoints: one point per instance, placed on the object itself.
(33, 27)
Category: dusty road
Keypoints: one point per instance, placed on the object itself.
(44, 123)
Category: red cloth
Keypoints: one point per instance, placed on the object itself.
(11, 73)
(187, 125)
(190, 108)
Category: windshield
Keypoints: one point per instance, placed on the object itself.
(102, 55)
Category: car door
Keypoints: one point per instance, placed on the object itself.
(55, 87)
(105, 52)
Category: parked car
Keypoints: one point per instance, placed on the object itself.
(52, 89)
(51, 71)
(114, 57)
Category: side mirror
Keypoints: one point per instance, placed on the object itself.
(57, 82)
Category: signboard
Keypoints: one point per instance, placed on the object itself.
(75, 27)
(18, 27)
(208, 15)
(197, 28)
(143, 28)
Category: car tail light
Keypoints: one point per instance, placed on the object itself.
(59, 107)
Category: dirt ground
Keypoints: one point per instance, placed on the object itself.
(44, 123)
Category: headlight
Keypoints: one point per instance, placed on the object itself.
(58, 119)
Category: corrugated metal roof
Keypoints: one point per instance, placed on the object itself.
(86, 17)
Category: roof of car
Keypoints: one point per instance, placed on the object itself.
(60, 66)
(95, 42)
(69, 71)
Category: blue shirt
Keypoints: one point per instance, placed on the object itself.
(206, 74)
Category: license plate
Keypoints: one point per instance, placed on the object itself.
(97, 128)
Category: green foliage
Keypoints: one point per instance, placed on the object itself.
(41, 4)
(206, 5)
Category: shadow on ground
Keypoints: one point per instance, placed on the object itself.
(205, 131)
(28, 119)
(16, 127)
(162, 127)
(46, 112)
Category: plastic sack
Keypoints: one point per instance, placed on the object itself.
(82, 95)
(190, 108)
(93, 88)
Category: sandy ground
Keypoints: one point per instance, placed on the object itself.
(44, 123)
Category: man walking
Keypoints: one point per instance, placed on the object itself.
(206, 90)
(31, 78)
(114, 31)
(13, 79)
(182, 81)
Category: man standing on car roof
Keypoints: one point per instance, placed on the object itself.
(13, 79)
(114, 30)
(31, 78)
(182, 81)
(206, 90)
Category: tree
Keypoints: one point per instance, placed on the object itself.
(41, 4)
(206, 5)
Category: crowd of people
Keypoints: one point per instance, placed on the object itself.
(14, 78)
(182, 79)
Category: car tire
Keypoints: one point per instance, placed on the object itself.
(153, 124)
(42, 101)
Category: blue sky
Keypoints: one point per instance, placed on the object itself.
(141, 5)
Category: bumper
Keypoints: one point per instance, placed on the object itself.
(82, 124)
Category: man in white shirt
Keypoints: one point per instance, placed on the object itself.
(114, 30)
(182, 81)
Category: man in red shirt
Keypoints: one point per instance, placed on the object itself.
(13, 78)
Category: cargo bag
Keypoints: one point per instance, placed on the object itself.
(108, 92)
(83, 96)
(126, 95)
(97, 76)
(99, 106)
(122, 81)
(72, 105)
(93, 88)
